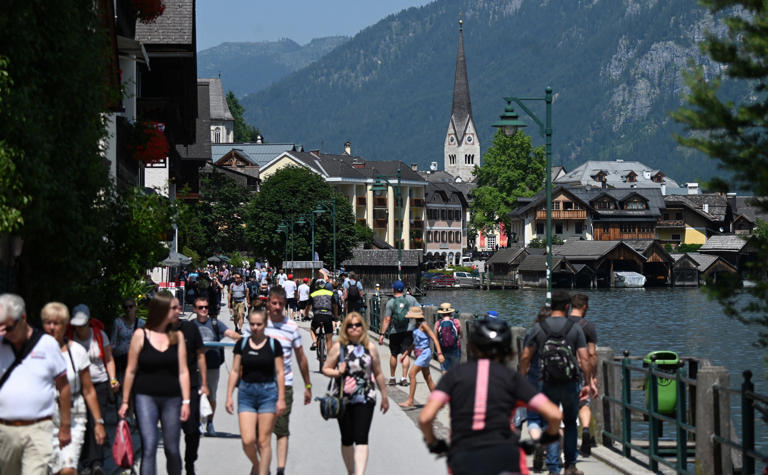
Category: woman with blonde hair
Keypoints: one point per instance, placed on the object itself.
(354, 361)
(157, 365)
(55, 318)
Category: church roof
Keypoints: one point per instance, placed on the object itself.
(461, 112)
(219, 107)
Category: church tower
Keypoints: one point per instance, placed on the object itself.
(462, 147)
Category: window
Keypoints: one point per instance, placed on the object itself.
(458, 215)
(217, 135)
(457, 238)
(606, 228)
(605, 204)
(578, 228)
(645, 228)
(443, 237)
(436, 237)
(666, 216)
(442, 214)
(634, 204)
(627, 228)
(452, 159)
(469, 159)
(428, 236)
(555, 205)
(558, 228)
(678, 216)
(676, 237)
(491, 241)
(568, 205)
(539, 228)
(450, 237)
(631, 177)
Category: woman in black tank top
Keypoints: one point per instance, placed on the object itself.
(157, 370)
(258, 365)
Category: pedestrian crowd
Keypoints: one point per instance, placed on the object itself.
(56, 384)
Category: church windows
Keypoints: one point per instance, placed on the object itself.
(217, 135)
(452, 159)
(452, 140)
(469, 159)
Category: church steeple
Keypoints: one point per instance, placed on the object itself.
(461, 112)
(462, 149)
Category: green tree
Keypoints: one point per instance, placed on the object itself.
(220, 211)
(293, 192)
(243, 131)
(734, 131)
(512, 168)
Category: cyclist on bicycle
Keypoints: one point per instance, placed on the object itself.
(482, 440)
(323, 310)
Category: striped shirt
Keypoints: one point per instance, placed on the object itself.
(287, 333)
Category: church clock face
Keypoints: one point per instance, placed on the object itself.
(469, 139)
(452, 140)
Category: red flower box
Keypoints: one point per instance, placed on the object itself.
(151, 143)
(147, 11)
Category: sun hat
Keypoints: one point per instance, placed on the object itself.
(445, 308)
(415, 313)
(398, 286)
(81, 315)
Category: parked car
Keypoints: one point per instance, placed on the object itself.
(467, 279)
(441, 281)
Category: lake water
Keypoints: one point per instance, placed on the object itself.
(642, 320)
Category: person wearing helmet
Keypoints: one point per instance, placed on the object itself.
(482, 441)
(321, 304)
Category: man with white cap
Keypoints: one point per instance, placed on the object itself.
(31, 366)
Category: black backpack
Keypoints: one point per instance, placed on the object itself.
(558, 361)
(353, 293)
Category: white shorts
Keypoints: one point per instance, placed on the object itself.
(69, 455)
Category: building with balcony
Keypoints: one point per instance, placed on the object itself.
(692, 219)
(354, 177)
(619, 174)
(445, 232)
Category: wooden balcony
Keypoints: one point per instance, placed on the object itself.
(417, 203)
(361, 201)
(574, 214)
(670, 223)
(615, 234)
(379, 223)
(379, 202)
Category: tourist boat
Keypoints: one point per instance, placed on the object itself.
(628, 279)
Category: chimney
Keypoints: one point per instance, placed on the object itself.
(415, 167)
(433, 166)
(315, 152)
(663, 189)
(259, 138)
(348, 147)
(706, 207)
(693, 188)
(604, 183)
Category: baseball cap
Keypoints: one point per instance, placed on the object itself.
(306, 279)
(492, 314)
(81, 315)
(398, 286)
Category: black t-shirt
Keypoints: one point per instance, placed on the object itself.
(258, 365)
(590, 333)
(477, 421)
(194, 342)
(575, 338)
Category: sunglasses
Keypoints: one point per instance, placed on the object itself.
(355, 325)
(202, 306)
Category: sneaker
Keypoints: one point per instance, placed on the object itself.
(202, 428)
(391, 382)
(538, 459)
(586, 444)
(313, 347)
(97, 469)
(404, 382)
(571, 470)
(209, 430)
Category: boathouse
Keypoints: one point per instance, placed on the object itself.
(532, 272)
(658, 265)
(685, 272)
(710, 266)
(503, 264)
(379, 266)
(734, 249)
(604, 257)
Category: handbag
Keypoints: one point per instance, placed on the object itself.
(205, 407)
(332, 404)
(122, 448)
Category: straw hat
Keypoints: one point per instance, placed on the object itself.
(445, 307)
(415, 313)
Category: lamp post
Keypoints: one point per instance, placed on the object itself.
(509, 123)
(382, 184)
(287, 227)
(321, 208)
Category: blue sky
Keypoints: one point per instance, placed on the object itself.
(300, 20)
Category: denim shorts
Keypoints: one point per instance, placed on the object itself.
(257, 397)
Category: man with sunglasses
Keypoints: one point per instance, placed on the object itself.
(31, 366)
(211, 330)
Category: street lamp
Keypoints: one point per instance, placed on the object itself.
(509, 123)
(282, 228)
(321, 208)
(382, 184)
(287, 227)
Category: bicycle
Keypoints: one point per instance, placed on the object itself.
(322, 351)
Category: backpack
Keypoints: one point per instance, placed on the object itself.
(558, 361)
(400, 308)
(448, 335)
(353, 293)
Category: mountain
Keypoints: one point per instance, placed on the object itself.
(250, 67)
(615, 67)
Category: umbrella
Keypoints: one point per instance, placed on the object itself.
(176, 259)
(213, 259)
(224, 258)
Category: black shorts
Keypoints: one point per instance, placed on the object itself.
(489, 460)
(325, 320)
(303, 304)
(291, 303)
(400, 342)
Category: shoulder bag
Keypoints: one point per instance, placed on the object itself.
(36, 334)
(332, 404)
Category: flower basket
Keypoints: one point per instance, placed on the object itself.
(150, 145)
(147, 11)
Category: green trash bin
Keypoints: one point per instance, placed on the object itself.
(666, 361)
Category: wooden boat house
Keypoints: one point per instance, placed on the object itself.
(379, 266)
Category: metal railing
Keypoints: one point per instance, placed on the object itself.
(374, 313)
(683, 429)
(749, 402)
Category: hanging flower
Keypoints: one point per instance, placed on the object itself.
(147, 11)
(150, 143)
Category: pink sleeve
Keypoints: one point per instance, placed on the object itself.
(537, 401)
(441, 396)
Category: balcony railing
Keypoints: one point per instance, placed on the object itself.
(361, 201)
(670, 223)
(578, 214)
(379, 202)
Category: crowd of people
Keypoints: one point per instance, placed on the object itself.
(158, 370)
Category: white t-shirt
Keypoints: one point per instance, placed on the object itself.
(287, 333)
(81, 360)
(303, 292)
(281, 278)
(29, 392)
(98, 369)
(290, 289)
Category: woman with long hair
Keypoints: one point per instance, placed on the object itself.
(55, 318)
(122, 332)
(258, 365)
(354, 361)
(422, 335)
(157, 366)
(482, 394)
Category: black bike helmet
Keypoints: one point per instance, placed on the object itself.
(491, 336)
(319, 284)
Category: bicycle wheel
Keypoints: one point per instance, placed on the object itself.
(321, 350)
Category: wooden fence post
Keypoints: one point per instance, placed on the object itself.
(604, 353)
(707, 377)
(518, 334)
(464, 319)
(612, 378)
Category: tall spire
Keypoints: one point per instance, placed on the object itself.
(461, 112)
